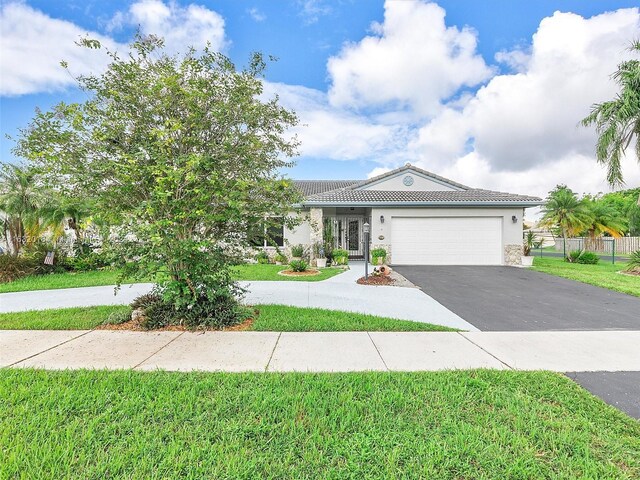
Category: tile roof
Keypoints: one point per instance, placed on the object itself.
(313, 187)
(338, 192)
(470, 196)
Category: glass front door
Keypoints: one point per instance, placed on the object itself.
(347, 232)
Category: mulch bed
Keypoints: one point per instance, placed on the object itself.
(307, 273)
(379, 280)
(631, 274)
(135, 326)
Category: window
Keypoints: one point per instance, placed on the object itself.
(267, 236)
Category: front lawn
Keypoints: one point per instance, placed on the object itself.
(108, 277)
(54, 281)
(270, 272)
(437, 425)
(601, 275)
(280, 318)
(270, 318)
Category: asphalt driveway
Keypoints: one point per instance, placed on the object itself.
(517, 299)
(619, 389)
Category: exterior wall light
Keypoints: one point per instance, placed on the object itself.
(381, 218)
(514, 219)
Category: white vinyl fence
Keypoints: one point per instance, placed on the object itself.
(619, 246)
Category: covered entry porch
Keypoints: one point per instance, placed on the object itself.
(343, 228)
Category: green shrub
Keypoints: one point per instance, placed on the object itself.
(262, 257)
(299, 265)
(37, 252)
(297, 251)
(280, 257)
(378, 253)
(87, 259)
(119, 317)
(218, 310)
(633, 265)
(583, 257)
(340, 256)
(12, 268)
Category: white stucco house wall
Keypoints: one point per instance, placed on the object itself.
(420, 218)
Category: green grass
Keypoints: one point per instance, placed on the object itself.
(436, 425)
(61, 280)
(602, 275)
(270, 272)
(271, 318)
(280, 318)
(108, 277)
(80, 318)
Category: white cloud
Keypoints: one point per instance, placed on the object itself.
(521, 130)
(412, 60)
(181, 27)
(328, 132)
(312, 10)
(32, 46)
(33, 43)
(256, 14)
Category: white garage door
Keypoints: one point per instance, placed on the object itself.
(446, 240)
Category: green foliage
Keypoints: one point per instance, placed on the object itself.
(633, 265)
(626, 202)
(209, 312)
(318, 250)
(583, 257)
(378, 253)
(618, 121)
(180, 155)
(118, 317)
(36, 253)
(565, 213)
(13, 268)
(281, 257)
(299, 265)
(20, 200)
(297, 251)
(262, 257)
(529, 243)
(340, 256)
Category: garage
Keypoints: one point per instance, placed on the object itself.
(447, 240)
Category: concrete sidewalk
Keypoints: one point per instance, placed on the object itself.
(321, 352)
(340, 292)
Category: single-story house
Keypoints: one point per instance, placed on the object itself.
(418, 217)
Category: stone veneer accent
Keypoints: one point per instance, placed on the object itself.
(315, 222)
(513, 254)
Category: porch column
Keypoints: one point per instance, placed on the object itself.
(316, 223)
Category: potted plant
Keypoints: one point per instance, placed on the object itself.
(340, 256)
(297, 251)
(321, 259)
(378, 256)
(280, 259)
(529, 243)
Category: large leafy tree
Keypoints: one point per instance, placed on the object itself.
(180, 154)
(618, 121)
(20, 200)
(564, 212)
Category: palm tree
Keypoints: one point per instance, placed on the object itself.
(618, 121)
(564, 212)
(605, 219)
(20, 200)
(60, 212)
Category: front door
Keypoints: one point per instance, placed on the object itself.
(349, 235)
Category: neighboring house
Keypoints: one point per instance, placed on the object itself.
(420, 219)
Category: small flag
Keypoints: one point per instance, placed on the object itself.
(48, 260)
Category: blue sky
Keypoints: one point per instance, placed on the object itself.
(484, 66)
